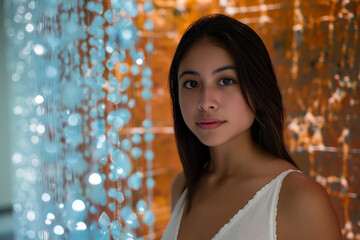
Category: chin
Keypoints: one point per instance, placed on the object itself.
(211, 141)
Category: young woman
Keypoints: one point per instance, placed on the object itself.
(238, 182)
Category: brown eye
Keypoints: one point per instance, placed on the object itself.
(226, 81)
(190, 84)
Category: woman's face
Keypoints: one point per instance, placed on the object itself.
(210, 97)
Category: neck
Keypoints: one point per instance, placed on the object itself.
(239, 156)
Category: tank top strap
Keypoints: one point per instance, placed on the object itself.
(281, 176)
(279, 180)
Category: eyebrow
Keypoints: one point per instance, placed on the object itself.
(213, 73)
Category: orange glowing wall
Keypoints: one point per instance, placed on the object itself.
(315, 48)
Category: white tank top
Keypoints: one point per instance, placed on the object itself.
(257, 220)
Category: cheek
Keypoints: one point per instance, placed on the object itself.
(185, 106)
(241, 109)
(188, 109)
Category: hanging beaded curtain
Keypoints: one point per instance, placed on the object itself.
(82, 131)
(315, 50)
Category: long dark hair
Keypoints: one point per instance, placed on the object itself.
(258, 85)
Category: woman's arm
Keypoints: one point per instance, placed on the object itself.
(177, 188)
(305, 211)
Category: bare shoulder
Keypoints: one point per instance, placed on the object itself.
(177, 188)
(305, 210)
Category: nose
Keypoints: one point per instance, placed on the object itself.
(207, 100)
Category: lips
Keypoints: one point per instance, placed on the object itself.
(209, 123)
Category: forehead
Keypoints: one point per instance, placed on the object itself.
(205, 55)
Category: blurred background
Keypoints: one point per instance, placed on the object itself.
(315, 48)
(5, 163)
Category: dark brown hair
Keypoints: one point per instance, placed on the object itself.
(257, 82)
